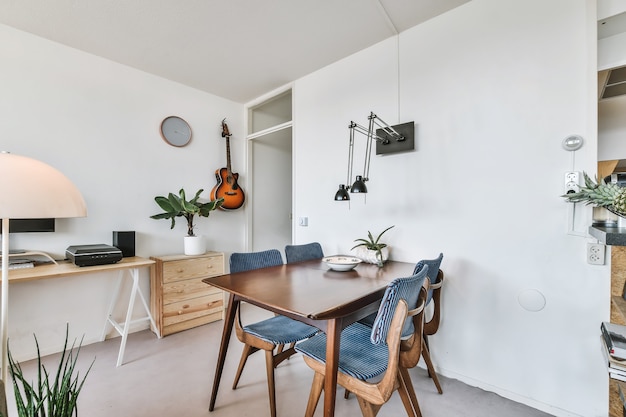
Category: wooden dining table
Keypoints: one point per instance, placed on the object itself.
(311, 293)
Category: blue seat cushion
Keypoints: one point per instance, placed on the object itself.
(281, 330)
(358, 357)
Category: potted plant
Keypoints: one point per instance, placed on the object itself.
(372, 250)
(178, 206)
(51, 395)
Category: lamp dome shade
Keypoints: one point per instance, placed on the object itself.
(32, 189)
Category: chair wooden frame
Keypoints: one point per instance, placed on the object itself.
(253, 344)
(372, 395)
(431, 326)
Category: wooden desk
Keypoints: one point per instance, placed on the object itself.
(66, 268)
(308, 292)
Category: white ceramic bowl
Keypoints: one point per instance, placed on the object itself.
(341, 262)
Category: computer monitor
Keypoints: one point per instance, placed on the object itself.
(30, 225)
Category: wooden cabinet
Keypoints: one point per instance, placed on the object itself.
(618, 315)
(179, 300)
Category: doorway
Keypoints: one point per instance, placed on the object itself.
(270, 167)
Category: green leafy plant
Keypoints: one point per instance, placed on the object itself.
(51, 396)
(178, 206)
(373, 244)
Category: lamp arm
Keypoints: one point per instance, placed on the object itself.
(368, 150)
(386, 127)
(350, 155)
(364, 131)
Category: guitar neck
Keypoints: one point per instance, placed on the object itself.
(228, 155)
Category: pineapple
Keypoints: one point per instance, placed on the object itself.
(611, 196)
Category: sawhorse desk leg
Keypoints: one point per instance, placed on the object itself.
(122, 328)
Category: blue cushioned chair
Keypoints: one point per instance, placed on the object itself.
(430, 326)
(267, 334)
(306, 252)
(368, 354)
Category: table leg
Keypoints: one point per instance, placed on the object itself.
(112, 304)
(333, 337)
(229, 320)
(123, 328)
(127, 322)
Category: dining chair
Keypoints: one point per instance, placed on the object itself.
(416, 346)
(431, 325)
(299, 253)
(267, 334)
(304, 252)
(369, 356)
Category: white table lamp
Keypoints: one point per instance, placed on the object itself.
(30, 189)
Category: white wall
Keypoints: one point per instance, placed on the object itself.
(98, 123)
(493, 87)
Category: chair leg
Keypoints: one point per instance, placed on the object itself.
(346, 394)
(281, 348)
(314, 396)
(431, 368)
(271, 388)
(368, 409)
(406, 390)
(247, 351)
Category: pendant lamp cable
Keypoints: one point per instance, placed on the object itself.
(395, 31)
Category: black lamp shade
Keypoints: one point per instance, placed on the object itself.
(359, 185)
(342, 193)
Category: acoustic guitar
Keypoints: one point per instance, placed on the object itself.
(227, 187)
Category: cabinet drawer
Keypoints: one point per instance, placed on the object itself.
(192, 268)
(188, 324)
(190, 309)
(183, 290)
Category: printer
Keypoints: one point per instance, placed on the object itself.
(89, 255)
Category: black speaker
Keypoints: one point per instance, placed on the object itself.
(125, 241)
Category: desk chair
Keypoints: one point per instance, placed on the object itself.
(267, 334)
(308, 251)
(369, 356)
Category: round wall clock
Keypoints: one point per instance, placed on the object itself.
(175, 131)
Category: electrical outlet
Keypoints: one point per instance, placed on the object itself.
(595, 253)
(572, 182)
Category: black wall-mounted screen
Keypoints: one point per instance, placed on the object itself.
(30, 225)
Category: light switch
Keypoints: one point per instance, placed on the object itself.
(303, 221)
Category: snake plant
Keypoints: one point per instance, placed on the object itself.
(52, 395)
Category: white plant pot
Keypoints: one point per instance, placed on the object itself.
(195, 245)
(369, 256)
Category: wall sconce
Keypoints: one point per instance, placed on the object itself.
(389, 139)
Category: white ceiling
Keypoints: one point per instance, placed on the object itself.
(237, 49)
